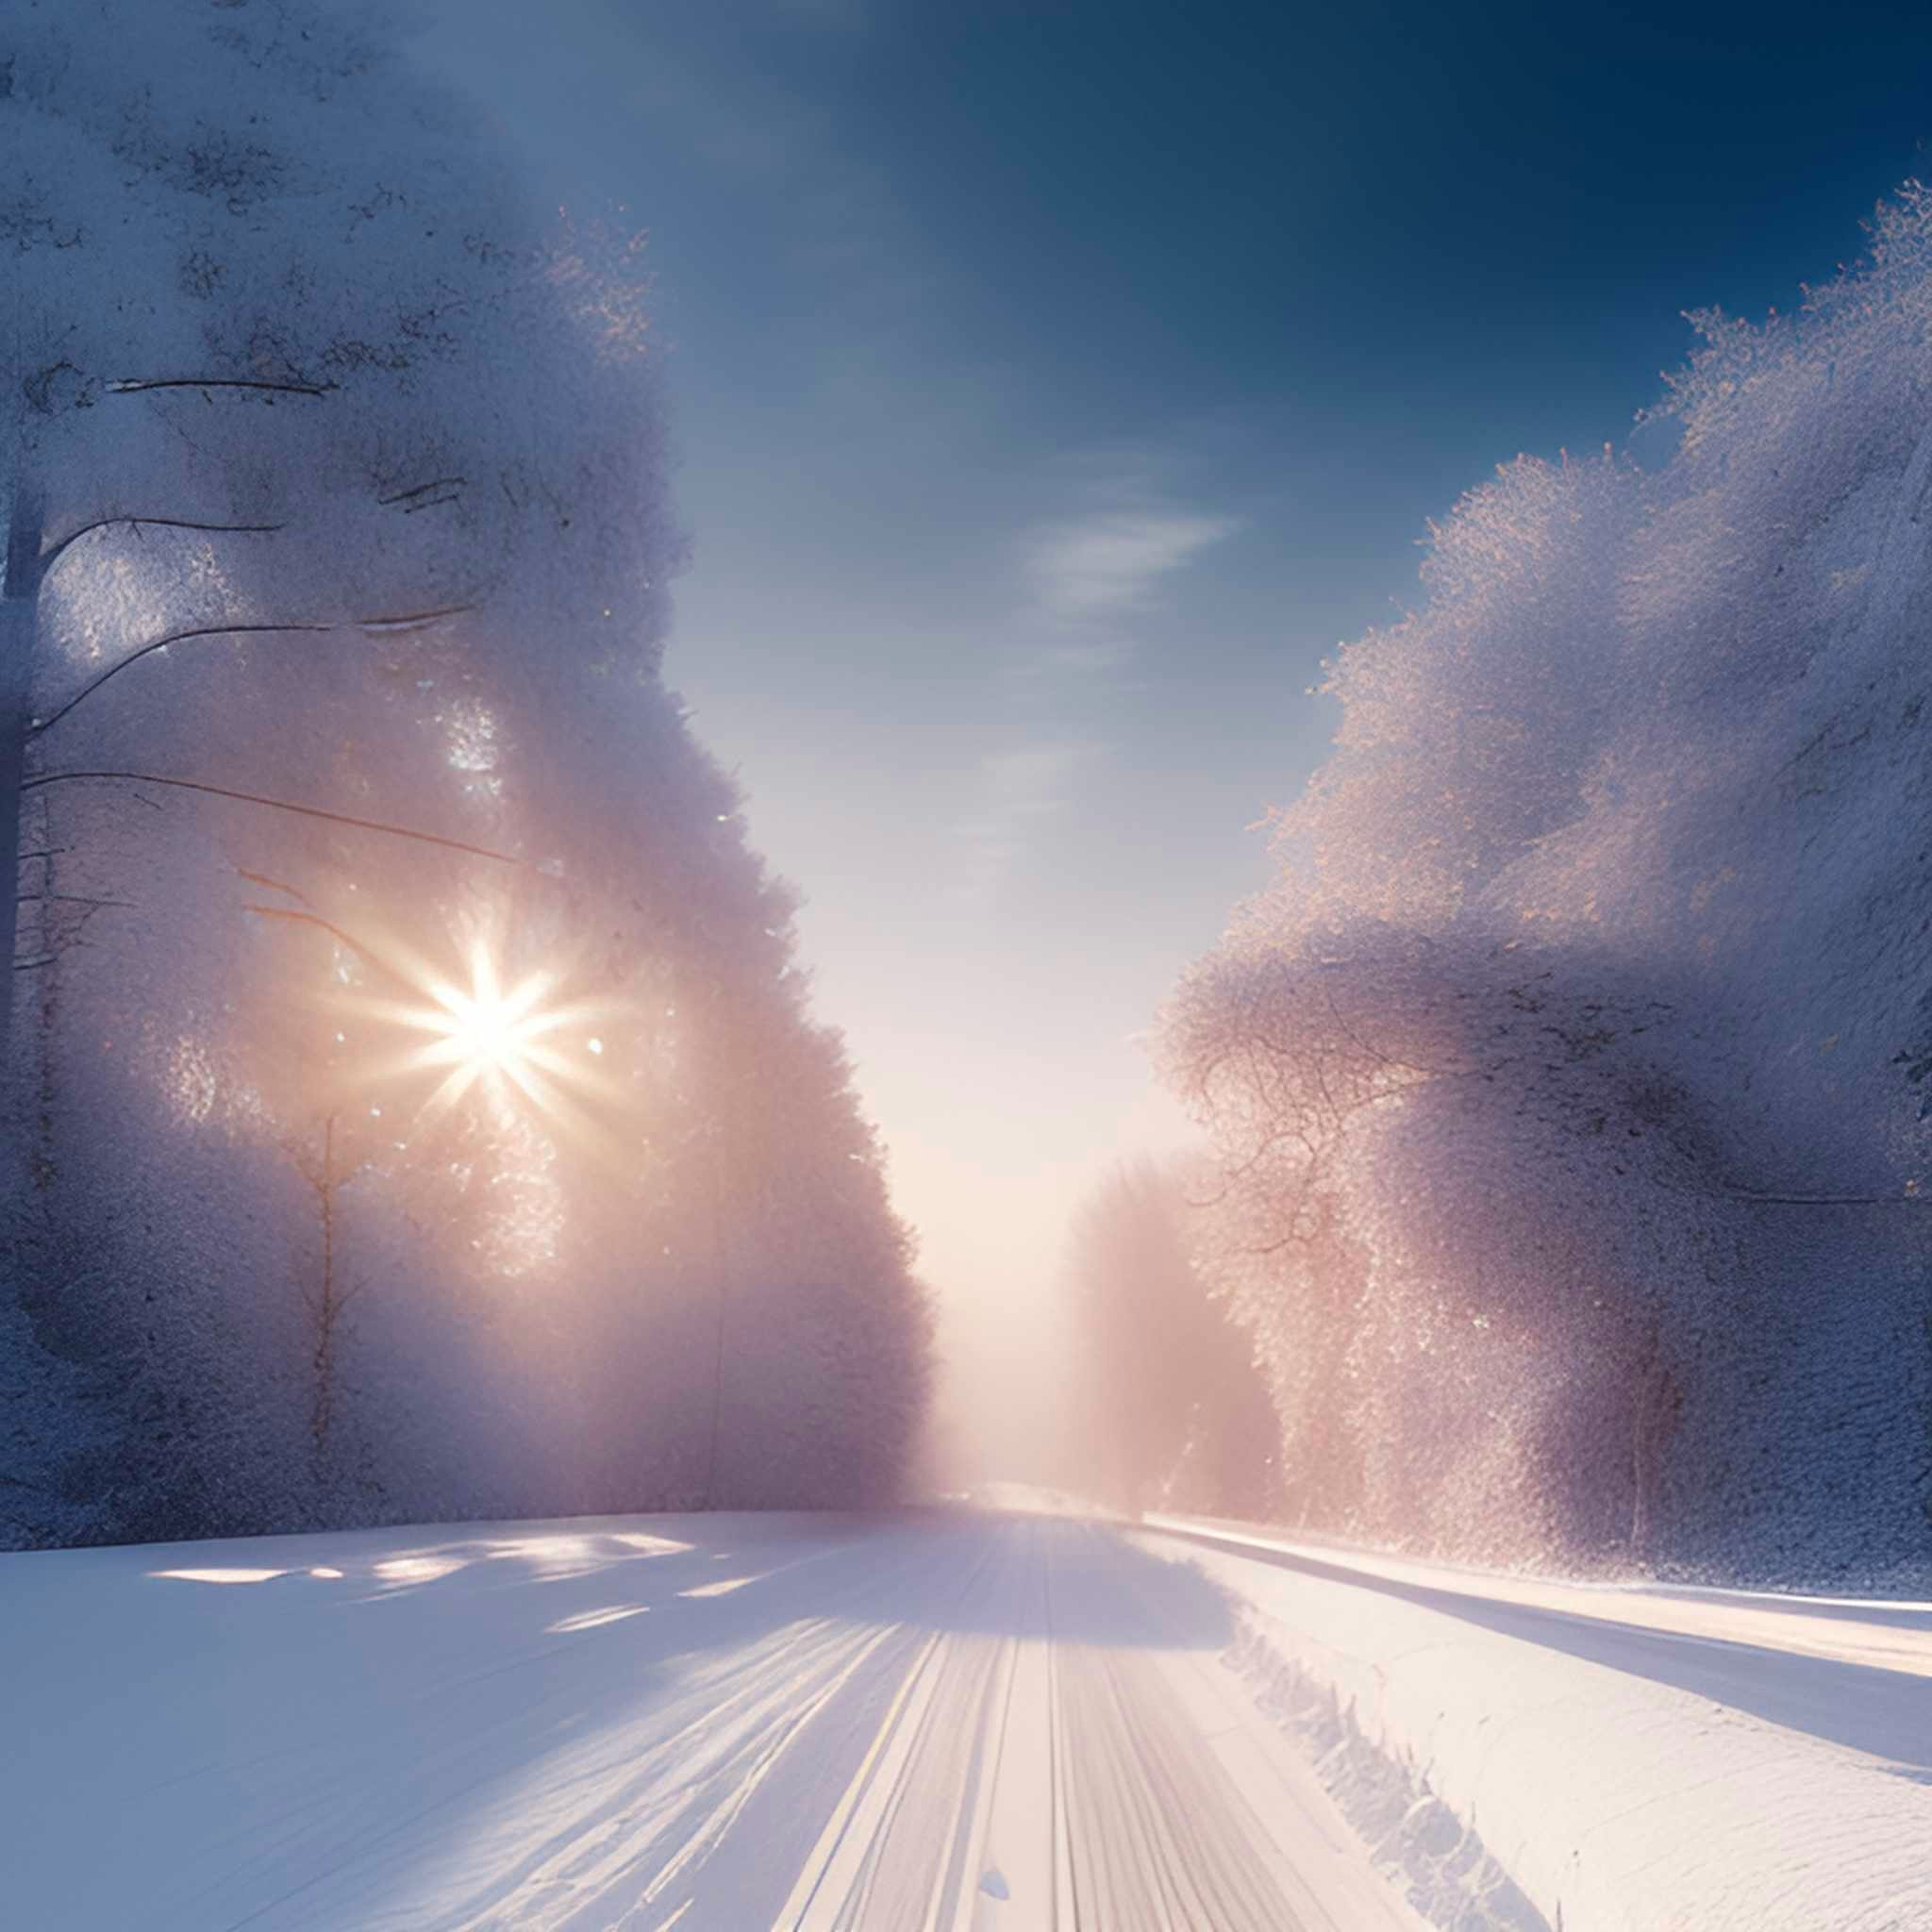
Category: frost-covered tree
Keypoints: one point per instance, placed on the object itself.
(338, 539)
(1379, 1102)
(1181, 1417)
(277, 377)
(1567, 1085)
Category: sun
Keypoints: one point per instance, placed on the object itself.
(486, 1030)
(502, 1037)
(521, 1048)
(534, 1049)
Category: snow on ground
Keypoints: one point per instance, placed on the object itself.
(1631, 1757)
(947, 1721)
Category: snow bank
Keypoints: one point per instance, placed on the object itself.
(1529, 1766)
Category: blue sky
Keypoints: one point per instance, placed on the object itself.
(1056, 383)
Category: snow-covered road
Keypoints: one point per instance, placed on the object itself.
(936, 1723)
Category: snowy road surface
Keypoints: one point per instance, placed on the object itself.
(939, 1723)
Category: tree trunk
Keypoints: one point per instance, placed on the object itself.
(19, 621)
(327, 1304)
(1653, 1416)
(719, 1265)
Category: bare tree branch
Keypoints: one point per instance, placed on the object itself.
(413, 619)
(132, 386)
(360, 947)
(1824, 1200)
(308, 811)
(261, 878)
(421, 496)
(406, 621)
(50, 557)
(37, 726)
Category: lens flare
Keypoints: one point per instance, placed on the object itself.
(486, 1031)
(413, 1039)
(516, 1044)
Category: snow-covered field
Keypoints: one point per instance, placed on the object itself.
(978, 1722)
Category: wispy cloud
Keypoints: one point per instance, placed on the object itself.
(1089, 577)
(1032, 780)
(1084, 658)
(1107, 565)
(1017, 787)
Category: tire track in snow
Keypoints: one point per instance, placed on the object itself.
(899, 1843)
(643, 1851)
(1145, 1828)
(965, 1723)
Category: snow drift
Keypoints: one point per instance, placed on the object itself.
(1526, 1756)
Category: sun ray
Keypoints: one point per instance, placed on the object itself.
(455, 1084)
(434, 1039)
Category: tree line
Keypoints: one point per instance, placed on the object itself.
(1564, 1098)
(412, 1108)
